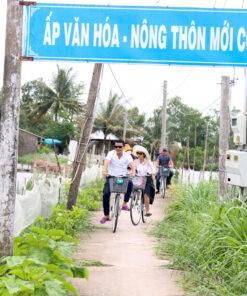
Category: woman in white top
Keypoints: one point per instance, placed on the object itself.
(144, 167)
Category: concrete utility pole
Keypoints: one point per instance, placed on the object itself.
(10, 125)
(205, 152)
(163, 131)
(81, 155)
(224, 133)
(188, 156)
(245, 101)
(194, 161)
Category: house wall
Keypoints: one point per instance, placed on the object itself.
(27, 143)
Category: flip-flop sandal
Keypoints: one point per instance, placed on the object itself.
(148, 214)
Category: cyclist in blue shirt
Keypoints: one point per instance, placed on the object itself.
(164, 159)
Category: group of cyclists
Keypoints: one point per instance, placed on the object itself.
(124, 160)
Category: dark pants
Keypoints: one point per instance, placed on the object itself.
(168, 179)
(107, 194)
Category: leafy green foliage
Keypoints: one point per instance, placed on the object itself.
(89, 197)
(71, 222)
(62, 131)
(45, 149)
(42, 258)
(42, 255)
(110, 116)
(29, 185)
(58, 98)
(43, 104)
(207, 240)
(40, 261)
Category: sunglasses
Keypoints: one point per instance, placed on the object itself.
(139, 153)
(118, 147)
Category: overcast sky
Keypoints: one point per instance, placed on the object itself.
(198, 87)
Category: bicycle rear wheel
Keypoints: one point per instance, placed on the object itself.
(143, 209)
(136, 207)
(115, 212)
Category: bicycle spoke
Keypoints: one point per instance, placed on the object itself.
(115, 212)
(135, 207)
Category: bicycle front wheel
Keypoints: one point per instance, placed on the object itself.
(143, 210)
(163, 187)
(115, 212)
(136, 207)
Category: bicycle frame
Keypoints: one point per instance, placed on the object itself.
(116, 210)
(163, 179)
(116, 199)
(137, 204)
(163, 182)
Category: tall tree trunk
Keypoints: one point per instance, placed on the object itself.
(10, 125)
(104, 143)
(80, 159)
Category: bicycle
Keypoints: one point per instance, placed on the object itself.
(118, 186)
(137, 206)
(164, 173)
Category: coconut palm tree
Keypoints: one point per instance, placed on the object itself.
(109, 118)
(61, 98)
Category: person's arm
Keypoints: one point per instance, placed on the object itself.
(133, 169)
(171, 163)
(157, 163)
(152, 170)
(106, 164)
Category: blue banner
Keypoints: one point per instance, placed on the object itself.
(151, 35)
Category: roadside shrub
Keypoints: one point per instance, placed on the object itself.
(89, 197)
(40, 262)
(71, 222)
(207, 239)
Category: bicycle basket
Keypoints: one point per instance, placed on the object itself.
(119, 184)
(139, 182)
(164, 171)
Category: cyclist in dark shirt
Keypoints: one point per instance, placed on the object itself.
(164, 159)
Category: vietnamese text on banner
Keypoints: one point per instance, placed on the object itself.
(151, 35)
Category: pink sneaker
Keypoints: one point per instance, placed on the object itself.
(125, 208)
(104, 219)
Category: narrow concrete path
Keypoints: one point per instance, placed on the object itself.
(134, 269)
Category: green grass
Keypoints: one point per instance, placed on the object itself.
(87, 263)
(207, 240)
(28, 159)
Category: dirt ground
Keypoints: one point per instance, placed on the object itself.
(131, 266)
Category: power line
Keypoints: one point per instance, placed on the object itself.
(183, 81)
(210, 104)
(157, 2)
(115, 78)
(193, 114)
(153, 103)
